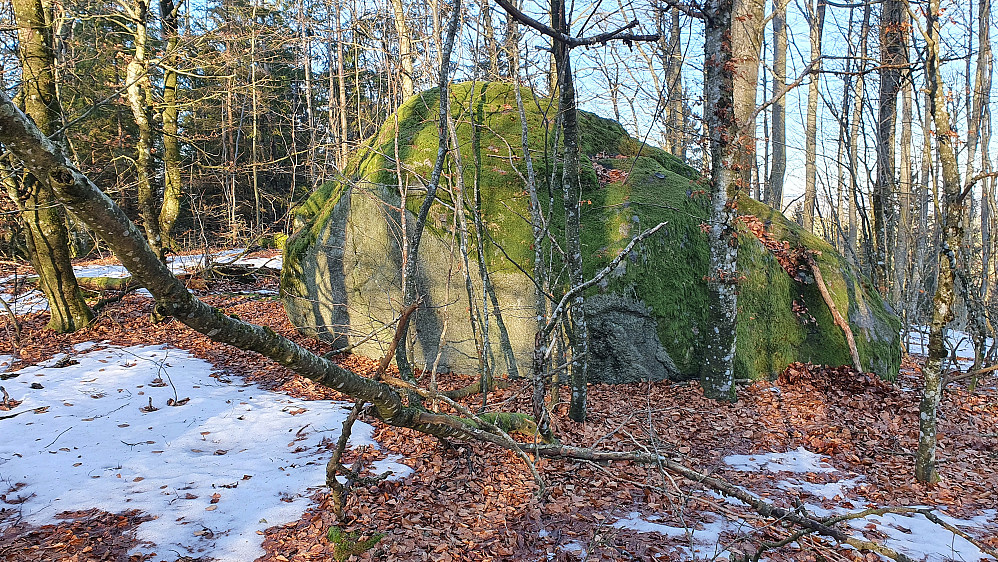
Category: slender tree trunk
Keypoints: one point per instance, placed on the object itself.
(747, 26)
(893, 41)
(817, 17)
(942, 309)
(675, 109)
(172, 182)
(902, 257)
(139, 98)
(341, 79)
(43, 217)
(255, 108)
(572, 196)
(857, 118)
(717, 374)
(310, 151)
(774, 195)
(407, 53)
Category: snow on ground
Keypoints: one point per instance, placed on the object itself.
(26, 303)
(232, 461)
(799, 461)
(701, 539)
(34, 301)
(918, 343)
(910, 534)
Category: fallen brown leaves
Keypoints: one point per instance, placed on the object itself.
(82, 536)
(469, 502)
(793, 260)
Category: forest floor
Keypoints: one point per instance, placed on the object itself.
(200, 488)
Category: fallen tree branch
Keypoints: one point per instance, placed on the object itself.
(836, 316)
(760, 505)
(970, 374)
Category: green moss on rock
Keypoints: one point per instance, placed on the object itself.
(341, 271)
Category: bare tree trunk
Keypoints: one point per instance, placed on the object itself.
(43, 217)
(172, 181)
(139, 100)
(675, 109)
(572, 196)
(747, 26)
(774, 195)
(407, 53)
(975, 124)
(893, 43)
(255, 108)
(942, 310)
(717, 376)
(857, 118)
(902, 257)
(817, 17)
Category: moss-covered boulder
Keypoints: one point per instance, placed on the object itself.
(341, 277)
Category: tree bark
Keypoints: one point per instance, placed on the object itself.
(948, 255)
(44, 219)
(893, 43)
(172, 181)
(857, 118)
(717, 375)
(138, 88)
(406, 52)
(774, 195)
(817, 17)
(746, 28)
(572, 196)
(675, 109)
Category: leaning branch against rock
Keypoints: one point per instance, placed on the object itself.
(86, 200)
(836, 315)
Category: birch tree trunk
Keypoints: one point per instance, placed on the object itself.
(43, 217)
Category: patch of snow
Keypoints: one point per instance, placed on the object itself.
(922, 539)
(635, 522)
(698, 543)
(112, 271)
(575, 548)
(390, 464)
(6, 361)
(828, 490)
(86, 439)
(143, 292)
(275, 262)
(918, 343)
(799, 461)
(26, 303)
(83, 346)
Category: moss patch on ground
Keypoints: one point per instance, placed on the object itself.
(665, 273)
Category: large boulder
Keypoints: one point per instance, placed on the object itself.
(342, 267)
